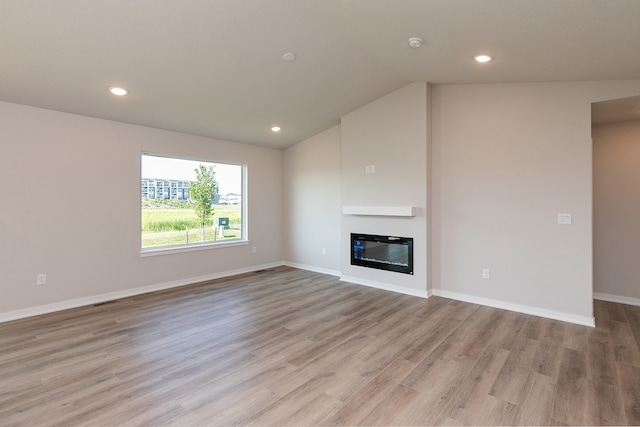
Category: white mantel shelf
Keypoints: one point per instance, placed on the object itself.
(406, 211)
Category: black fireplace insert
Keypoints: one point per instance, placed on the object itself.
(382, 252)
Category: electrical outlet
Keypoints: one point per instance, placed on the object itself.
(324, 251)
(254, 250)
(41, 279)
(486, 273)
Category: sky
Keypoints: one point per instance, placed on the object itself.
(229, 177)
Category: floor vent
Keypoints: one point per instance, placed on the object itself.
(105, 303)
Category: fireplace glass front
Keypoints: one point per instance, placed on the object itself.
(382, 252)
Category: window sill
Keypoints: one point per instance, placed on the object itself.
(168, 250)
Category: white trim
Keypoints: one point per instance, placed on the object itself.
(386, 286)
(379, 210)
(616, 298)
(312, 268)
(526, 309)
(168, 250)
(80, 302)
(95, 299)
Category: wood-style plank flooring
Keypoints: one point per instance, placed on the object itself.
(291, 347)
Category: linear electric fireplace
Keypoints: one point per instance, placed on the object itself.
(382, 252)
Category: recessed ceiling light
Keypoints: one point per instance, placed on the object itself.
(275, 129)
(482, 58)
(289, 57)
(118, 91)
(415, 42)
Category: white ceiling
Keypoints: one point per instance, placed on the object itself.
(215, 68)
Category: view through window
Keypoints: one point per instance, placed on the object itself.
(190, 202)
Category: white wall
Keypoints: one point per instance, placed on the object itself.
(71, 209)
(507, 158)
(390, 133)
(616, 211)
(312, 211)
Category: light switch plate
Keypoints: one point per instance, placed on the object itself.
(564, 218)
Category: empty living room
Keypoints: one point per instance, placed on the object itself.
(319, 213)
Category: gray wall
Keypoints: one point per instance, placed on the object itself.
(312, 203)
(489, 167)
(507, 159)
(72, 210)
(616, 211)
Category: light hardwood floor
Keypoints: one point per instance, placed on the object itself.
(291, 347)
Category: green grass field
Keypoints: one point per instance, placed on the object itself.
(167, 226)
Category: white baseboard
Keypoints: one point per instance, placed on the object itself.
(616, 298)
(386, 286)
(312, 268)
(95, 299)
(525, 309)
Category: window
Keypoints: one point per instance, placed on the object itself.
(190, 203)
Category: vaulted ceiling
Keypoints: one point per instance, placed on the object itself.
(216, 68)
